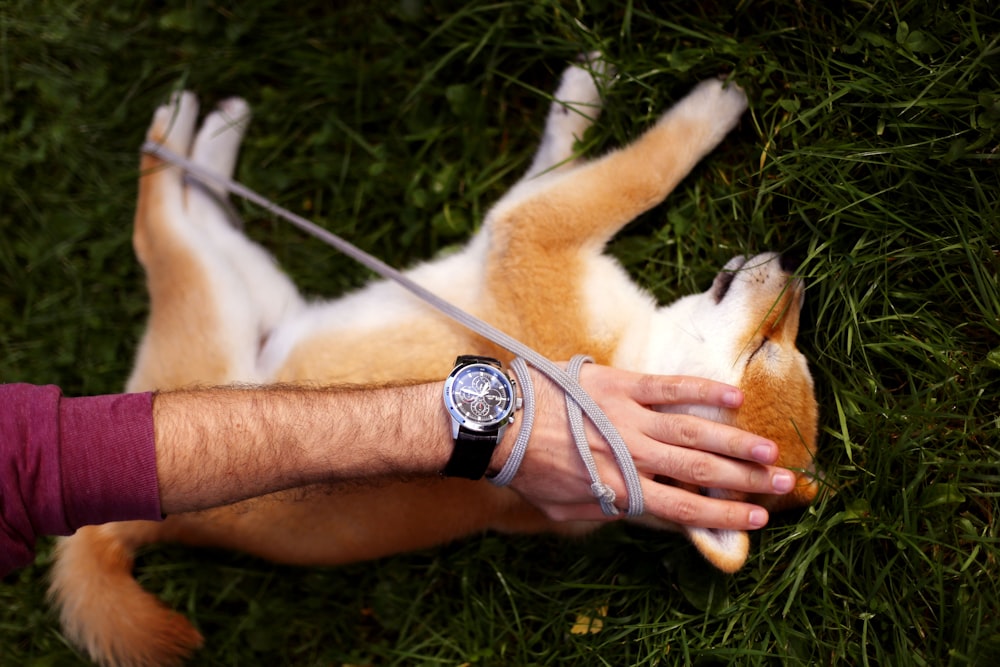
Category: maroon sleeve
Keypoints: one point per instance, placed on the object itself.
(70, 462)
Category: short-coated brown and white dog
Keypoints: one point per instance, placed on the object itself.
(222, 312)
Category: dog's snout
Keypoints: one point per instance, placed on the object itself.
(789, 263)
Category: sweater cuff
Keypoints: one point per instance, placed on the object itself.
(108, 457)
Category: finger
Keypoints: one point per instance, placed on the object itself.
(680, 390)
(697, 433)
(671, 503)
(696, 459)
(716, 472)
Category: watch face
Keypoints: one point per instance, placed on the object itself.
(479, 396)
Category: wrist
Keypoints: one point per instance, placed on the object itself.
(512, 447)
(504, 448)
(432, 454)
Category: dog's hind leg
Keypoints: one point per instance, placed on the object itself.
(214, 294)
(272, 295)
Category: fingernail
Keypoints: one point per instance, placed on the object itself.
(764, 453)
(758, 518)
(783, 482)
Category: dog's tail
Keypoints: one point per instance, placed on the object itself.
(103, 609)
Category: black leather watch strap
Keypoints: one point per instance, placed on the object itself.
(472, 454)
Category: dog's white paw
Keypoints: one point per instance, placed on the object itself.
(717, 104)
(578, 97)
(218, 140)
(581, 82)
(173, 123)
(576, 104)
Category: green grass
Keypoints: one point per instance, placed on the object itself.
(871, 150)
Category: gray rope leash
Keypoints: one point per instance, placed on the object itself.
(563, 379)
(604, 493)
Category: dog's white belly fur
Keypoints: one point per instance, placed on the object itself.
(380, 304)
(617, 310)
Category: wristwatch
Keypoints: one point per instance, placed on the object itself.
(481, 401)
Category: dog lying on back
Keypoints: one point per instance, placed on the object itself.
(535, 270)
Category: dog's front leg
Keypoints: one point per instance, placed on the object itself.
(584, 207)
(545, 237)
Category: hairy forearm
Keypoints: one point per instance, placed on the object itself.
(220, 445)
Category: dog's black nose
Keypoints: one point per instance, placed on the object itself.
(789, 263)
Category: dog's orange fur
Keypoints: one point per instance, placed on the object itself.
(776, 402)
(543, 243)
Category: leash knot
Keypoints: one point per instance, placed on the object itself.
(603, 492)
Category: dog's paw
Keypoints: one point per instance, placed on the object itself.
(218, 140)
(715, 103)
(576, 104)
(579, 91)
(173, 123)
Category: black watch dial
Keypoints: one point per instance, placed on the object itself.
(480, 396)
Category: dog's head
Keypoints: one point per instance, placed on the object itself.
(742, 331)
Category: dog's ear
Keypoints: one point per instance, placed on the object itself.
(725, 549)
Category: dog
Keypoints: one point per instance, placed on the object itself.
(221, 311)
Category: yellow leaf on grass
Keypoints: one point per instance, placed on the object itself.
(587, 624)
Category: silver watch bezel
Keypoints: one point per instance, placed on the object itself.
(459, 419)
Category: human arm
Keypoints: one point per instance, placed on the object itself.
(220, 445)
(229, 444)
(70, 462)
(65, 463)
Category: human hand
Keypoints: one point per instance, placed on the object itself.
(680, 447)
